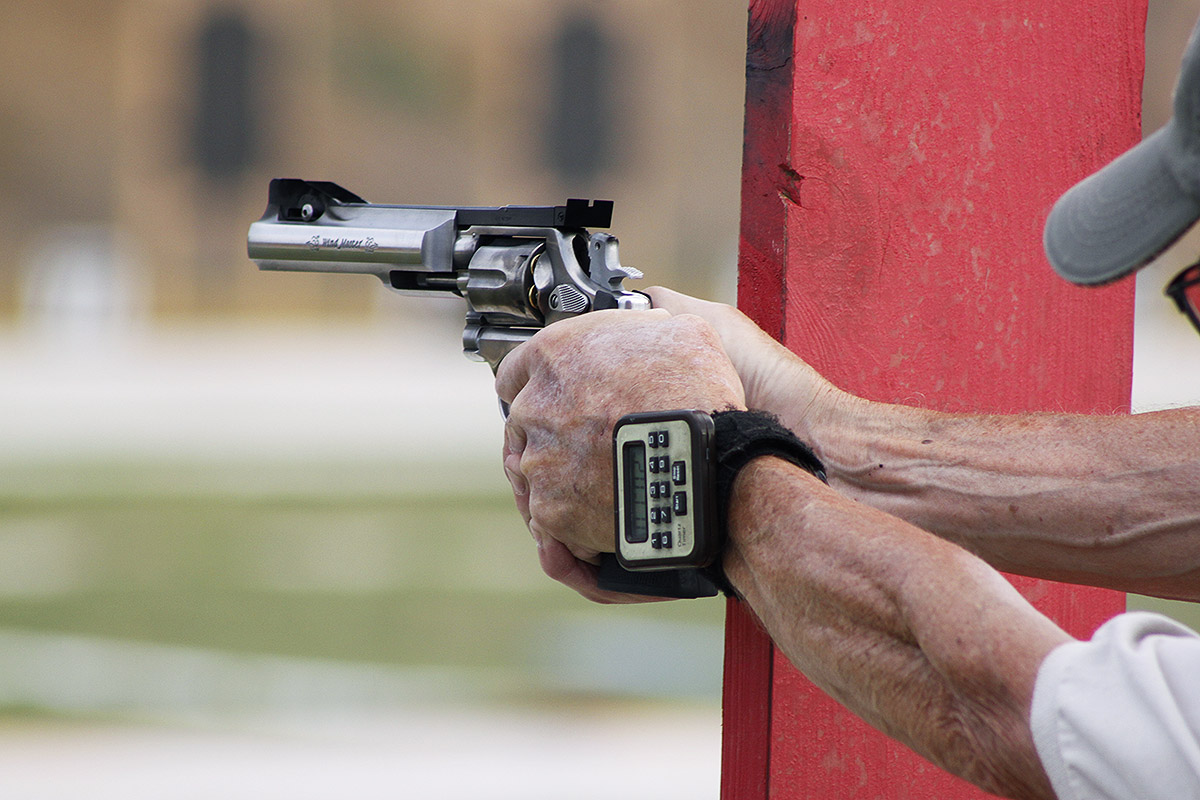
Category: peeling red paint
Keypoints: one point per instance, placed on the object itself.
(899, 161)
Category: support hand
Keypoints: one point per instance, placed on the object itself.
(775, 379)
(566, 388)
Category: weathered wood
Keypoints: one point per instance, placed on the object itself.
(900, 160)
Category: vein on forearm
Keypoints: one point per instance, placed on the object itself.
(913, 634)
(1103, 500)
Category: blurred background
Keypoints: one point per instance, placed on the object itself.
(254, 537)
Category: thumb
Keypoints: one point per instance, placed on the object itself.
(673, 301)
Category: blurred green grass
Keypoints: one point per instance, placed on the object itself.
(426, 566)
(419, 567)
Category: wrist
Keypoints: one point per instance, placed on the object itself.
(851, 435)
(770, 499)
(868, 446)
(744, 438)
(810, 405)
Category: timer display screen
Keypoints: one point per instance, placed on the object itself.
(636, 529)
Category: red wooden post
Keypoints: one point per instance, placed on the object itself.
(900, 159)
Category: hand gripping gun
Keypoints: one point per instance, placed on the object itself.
(519, 268)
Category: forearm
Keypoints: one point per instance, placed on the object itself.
(1109, 501)
(915, 635)
(1105, 500)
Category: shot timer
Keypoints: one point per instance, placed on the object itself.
(664, 466)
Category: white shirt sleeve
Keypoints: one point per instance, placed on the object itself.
(1119, 716)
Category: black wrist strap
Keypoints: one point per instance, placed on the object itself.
(742, 436)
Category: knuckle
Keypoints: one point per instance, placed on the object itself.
(546, 341)
(549, 515)
(515, 438)
(699, 327)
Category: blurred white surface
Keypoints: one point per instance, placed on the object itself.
(1166, 348)
(237, 392)
(424, 755)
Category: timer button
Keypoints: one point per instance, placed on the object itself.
(660, 515)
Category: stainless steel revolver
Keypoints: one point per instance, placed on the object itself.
(519, 268)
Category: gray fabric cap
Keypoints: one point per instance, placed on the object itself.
(1123, 216)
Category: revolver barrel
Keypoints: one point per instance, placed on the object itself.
(317, 227)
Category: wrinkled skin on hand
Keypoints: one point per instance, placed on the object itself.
(775, 379)
(566, 388)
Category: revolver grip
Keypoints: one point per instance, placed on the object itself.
(677, 583)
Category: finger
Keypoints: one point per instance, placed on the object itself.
(674, 302)
(515, 438)
(514, 372)
(737, 331)
(723, 317)
(558, 563)
(521, 365)
(514, 449)
(519, 484)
